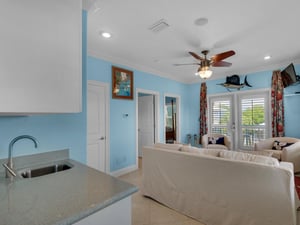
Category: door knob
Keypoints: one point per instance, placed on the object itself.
(102, 138)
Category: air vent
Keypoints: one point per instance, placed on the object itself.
(159, 26)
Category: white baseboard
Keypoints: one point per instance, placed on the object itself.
(123, 171)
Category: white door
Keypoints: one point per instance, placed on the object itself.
(97, 106)
(145, 121)
(221, 116)
(244, 116)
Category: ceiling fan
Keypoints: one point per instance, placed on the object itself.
(205, 63)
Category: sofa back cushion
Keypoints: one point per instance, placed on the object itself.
(240, 156)
(175, 147)
(188, 148)
(212, 152)
(204, 151)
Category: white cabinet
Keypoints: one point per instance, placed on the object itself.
(40, 56)
(117, 213)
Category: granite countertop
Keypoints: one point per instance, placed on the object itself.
(61, 198)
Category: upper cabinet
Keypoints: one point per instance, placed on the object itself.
(40, 56)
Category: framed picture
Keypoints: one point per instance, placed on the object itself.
(122, 83)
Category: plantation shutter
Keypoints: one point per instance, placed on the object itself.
(253, 119)
(220, 116)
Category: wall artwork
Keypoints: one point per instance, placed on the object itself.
(122, 83)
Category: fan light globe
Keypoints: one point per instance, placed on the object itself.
(205, 74)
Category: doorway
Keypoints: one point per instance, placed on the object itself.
(243, 116)
(98, 125)
(171, 117)
(147, 111)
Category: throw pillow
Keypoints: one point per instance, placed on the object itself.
(220, 141)
(277, 145)
(216, 140)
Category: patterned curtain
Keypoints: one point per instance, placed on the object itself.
(203, 111)
(277, 105)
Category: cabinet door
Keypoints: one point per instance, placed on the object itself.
(115, 214)
(40, 56)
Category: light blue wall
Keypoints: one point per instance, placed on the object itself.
(258, 80)
(193, 104)
(53, 132)
(122, 129)
(292, 109)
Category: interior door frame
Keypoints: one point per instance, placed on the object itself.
(178, 102)
(156, 121)
(107, 119)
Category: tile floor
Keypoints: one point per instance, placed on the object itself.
(146, 211)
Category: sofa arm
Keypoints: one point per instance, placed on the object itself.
(288, 166)
(204, 141)
(292, 154)
(227, 142)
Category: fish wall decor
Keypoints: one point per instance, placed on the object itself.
(233, 82)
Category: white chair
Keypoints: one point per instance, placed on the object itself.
(216, 141)
(289, 153)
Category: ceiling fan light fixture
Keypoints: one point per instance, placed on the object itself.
(205, 74)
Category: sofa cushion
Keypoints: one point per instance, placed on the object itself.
(188, 148)
(168, 146)
(249, 157)
(278, 145)
(215, 146)
(204, 151)
(211, 152)
(264, 153)
(216, 140)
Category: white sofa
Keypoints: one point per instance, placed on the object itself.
(290, 153)
(220, 191)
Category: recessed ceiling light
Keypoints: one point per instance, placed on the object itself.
(106, 35)
(267, 57)
(201, 21)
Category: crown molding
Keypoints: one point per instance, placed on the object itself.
(115, 60)
(248, 71)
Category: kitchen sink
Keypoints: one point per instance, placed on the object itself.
(45, 170)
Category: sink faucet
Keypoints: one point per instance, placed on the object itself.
(9, 165)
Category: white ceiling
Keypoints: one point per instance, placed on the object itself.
(252, 29)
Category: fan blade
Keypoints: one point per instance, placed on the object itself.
(220, 64)
(221, 56)
(196, 56)
(185, 64)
